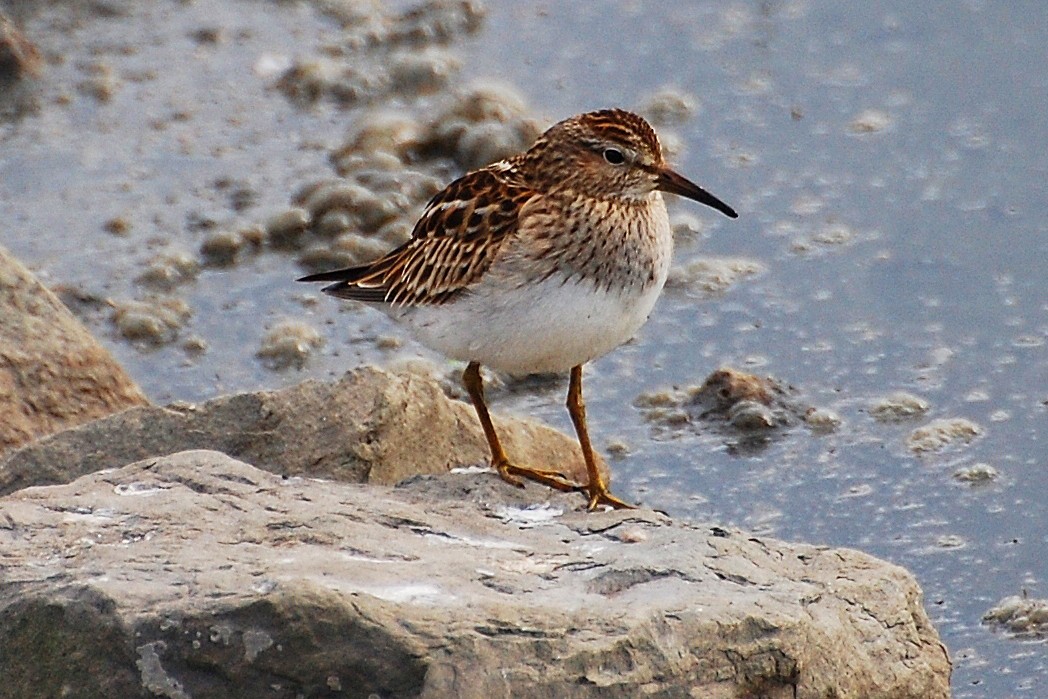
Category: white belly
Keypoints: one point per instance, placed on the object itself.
(512, 324)
(548, 327)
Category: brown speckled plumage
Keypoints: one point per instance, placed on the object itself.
(540, 262)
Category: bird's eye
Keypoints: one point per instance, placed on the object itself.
(614, 156)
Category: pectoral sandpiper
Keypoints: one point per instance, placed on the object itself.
(538, 263)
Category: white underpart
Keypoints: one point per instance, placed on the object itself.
(549, 326)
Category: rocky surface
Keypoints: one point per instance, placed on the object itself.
(197, 575)
(371, 426)
(53, 373)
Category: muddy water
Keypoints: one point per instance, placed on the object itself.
(888, 165)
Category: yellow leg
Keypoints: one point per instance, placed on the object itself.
(597, 488)
(509, 472)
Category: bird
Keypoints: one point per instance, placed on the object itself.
(538, 263)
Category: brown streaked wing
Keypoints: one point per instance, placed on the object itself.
(451, 246)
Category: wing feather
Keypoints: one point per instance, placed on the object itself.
(451, 246)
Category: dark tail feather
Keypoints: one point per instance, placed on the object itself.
(345, 284)
(339, 275)
(345, 290)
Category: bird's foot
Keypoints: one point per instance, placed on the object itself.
(599, 495)
(512, 474)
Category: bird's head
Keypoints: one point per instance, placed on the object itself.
(608, 154)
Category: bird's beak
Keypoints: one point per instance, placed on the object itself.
(670, 181)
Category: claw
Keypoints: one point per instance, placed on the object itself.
(601, 496)
(504, 471)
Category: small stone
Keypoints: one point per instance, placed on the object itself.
(358, 202)
(807, 204)
(170, 269)
(827, 236)
(241, 196)
(362, 166)
(433, 23)
(323, 259)
(386, 131)
(333, 223)
(667, 417)
(617, 449)
(834, 234)
(254, 236)
(724, 388)
(221, 248)
(870, 121)
(899, 406)
(156, 321)
(822, 419)
(284, 230)
(118, 225)
(487, 142)
(208, 35)
(670, 106)
(486, 124)
(387, 343)
(289, 343)
(423, 72)
(1025, 617)
(304, 192)
(751, 415)
(657, 399)
(490, 102)
(443, 137)
(361, 248)
(194, 344)
(103, 83)
(685, 223)
(712, 275)
(939, 434)
(341, 195)
(309, 81)
(976, 474)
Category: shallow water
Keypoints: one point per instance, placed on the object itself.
(939, 288)
(889, 168)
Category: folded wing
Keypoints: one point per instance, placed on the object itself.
(451, 246)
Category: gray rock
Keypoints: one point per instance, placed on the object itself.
(53, 373)
(371, 426)
(196, 575)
